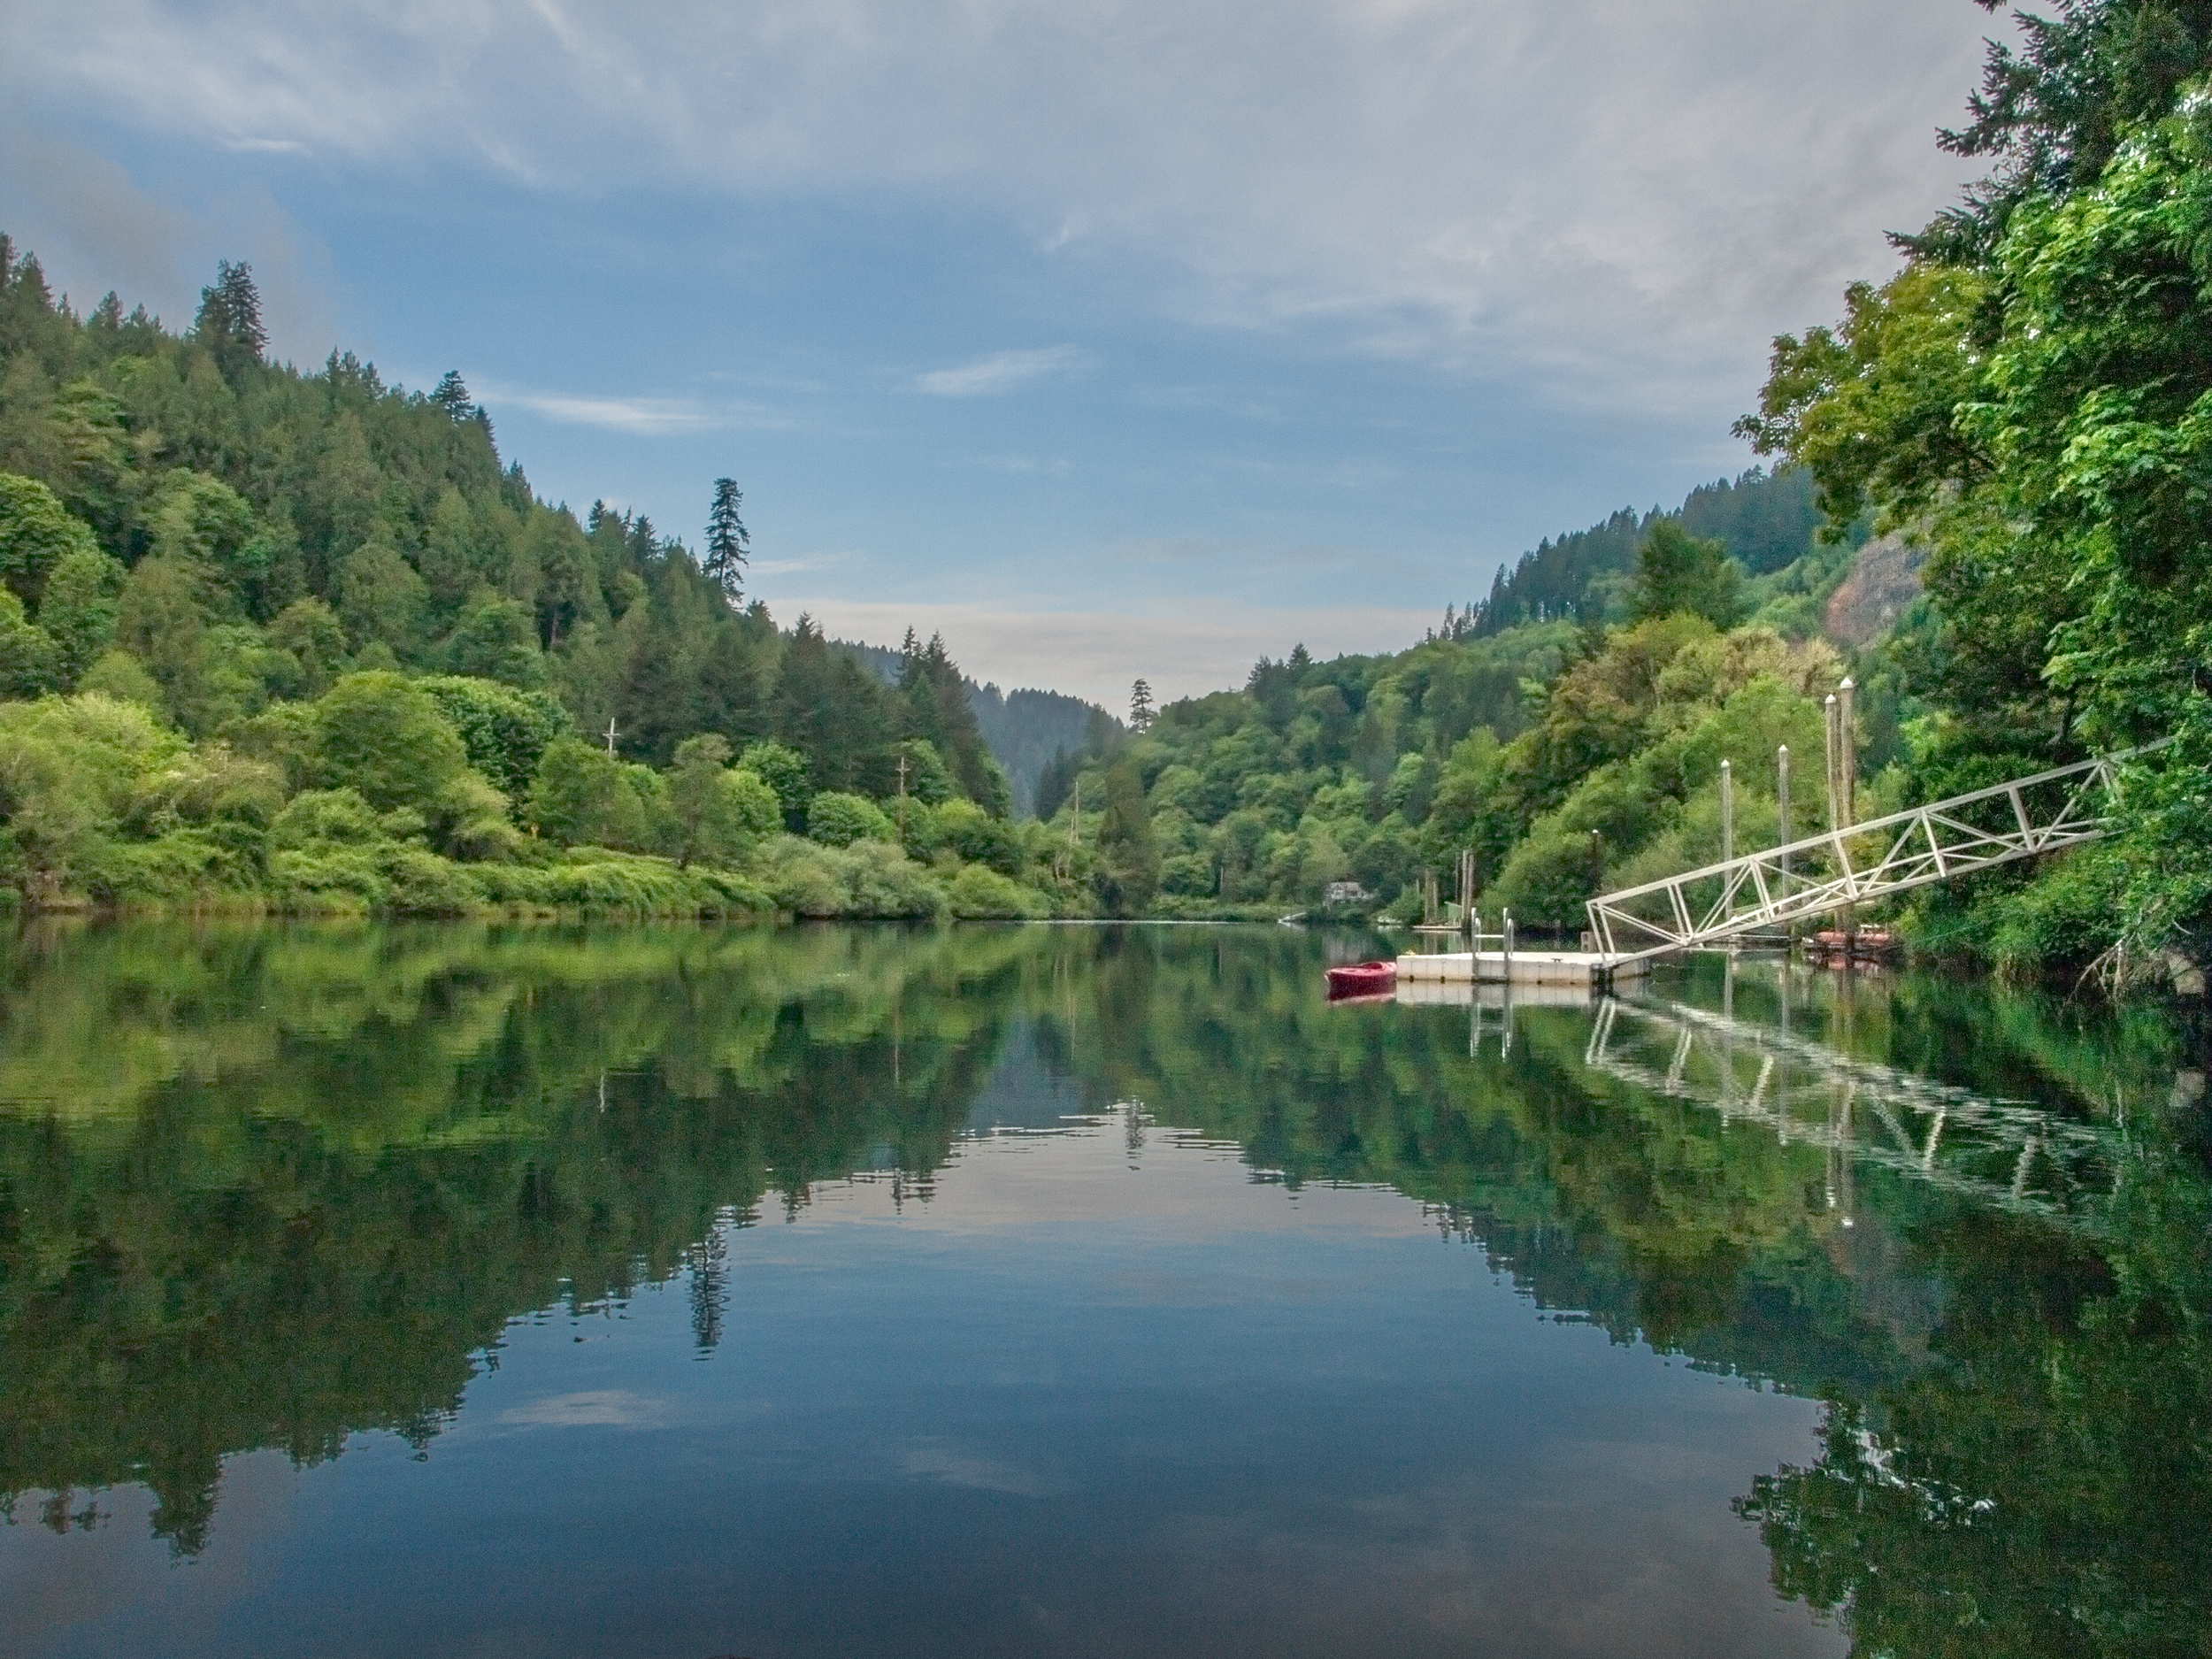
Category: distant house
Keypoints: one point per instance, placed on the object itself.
(1346, 893)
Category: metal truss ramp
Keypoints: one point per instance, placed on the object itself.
(1825, 873)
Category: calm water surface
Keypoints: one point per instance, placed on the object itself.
(1080, 1291)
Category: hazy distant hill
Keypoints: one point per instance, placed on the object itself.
(1025, 728)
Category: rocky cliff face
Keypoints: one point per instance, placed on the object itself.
(1884, 580)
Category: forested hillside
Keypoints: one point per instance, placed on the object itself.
(1766, 524)
(1610, 714)
(303, 639)
(1025, 729)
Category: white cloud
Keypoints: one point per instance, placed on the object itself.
(641, 417)
(1185, 649)
(1622, 196)
(608, 1408)
(1001, 372)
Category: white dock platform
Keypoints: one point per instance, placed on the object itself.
(1584, 969)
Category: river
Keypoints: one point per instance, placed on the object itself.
(695, 1292)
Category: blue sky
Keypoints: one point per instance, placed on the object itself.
(1112, 337)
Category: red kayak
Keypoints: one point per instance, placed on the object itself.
(1362, 979)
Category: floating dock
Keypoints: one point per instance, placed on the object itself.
(1583, 969)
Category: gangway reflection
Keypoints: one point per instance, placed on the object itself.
(2009, 1155)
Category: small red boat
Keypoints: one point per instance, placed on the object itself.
(1362, 979)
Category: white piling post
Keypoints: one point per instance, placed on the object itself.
(1727, 813)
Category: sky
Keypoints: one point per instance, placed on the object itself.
(1110, 337)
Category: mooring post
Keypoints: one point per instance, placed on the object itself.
(1829, 711)
(1847, 786)
(1783, 834)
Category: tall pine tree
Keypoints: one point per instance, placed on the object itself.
(229, 322)
(727, 542)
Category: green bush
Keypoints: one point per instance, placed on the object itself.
(327, 879)
(979, 894)
(979, 838)
(418, 882)
(836, 819)
(504, 730)
(182, 867)
(383, 735)
(326, 815)
(870, 879)
(583, 797)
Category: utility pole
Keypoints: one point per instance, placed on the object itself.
(611, 734)
(902, 800)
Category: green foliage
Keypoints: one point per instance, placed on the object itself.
(1676, 573)
(581, 795)
(122, 676)
(719, 814)
(836, 819)
(978, 894)
(1764, 523)
(79, 608)
(504, 731)
(29, 661)
(1630, 747)
(2030, 394)
(784, 770)
(868, 878)
(383, 735)
(1128, 870)
(967, 831)
(380, 597)
(494, 638)
(36, 534)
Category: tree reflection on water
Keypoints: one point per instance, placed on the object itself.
(271, 1186)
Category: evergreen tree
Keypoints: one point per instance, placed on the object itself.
(1055, 782)
(229, 322)
(1141, 708)
(727, 541)
(1678, 572)
(933, 704)
(452, 395)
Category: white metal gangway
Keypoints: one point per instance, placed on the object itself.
(1861, 862)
